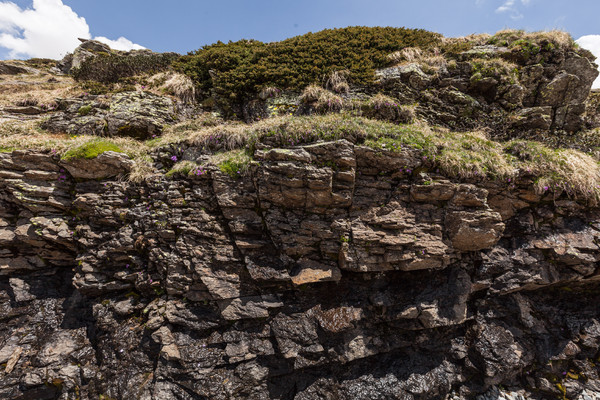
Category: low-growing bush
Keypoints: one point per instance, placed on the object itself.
(239, 70)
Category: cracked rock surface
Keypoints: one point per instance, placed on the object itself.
(327, 272)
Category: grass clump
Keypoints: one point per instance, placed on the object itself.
(558, 169)
(84, 110)
(182, 168)
(388, 109)
(338, 81)
(91, 150)
(431, 61)
(239, 70)
(498, 68)
(530, 41)
(174, 84)
(322, 100)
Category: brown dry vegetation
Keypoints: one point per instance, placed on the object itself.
(35, 88)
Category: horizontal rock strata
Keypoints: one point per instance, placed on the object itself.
(328, 271)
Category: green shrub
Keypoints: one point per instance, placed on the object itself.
(110, 68)
(238, 70)
(91, 150)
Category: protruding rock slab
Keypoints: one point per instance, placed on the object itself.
(248, 307)
(107, 164)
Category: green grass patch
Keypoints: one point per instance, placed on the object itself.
(91, 150)
(234, 163)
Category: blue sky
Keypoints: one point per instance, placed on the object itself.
(47, 27)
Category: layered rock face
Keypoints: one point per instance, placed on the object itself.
(327, 271)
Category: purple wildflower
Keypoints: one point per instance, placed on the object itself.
(174, 158)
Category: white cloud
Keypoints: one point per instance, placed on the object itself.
(120, 44)
(48, 29)
(592, 43)
(511, 7)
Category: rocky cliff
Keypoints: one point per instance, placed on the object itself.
(328, 271)
(304, 257)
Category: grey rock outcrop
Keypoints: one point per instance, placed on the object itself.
(140, 115)
(547, 91)
(14, 68)
(87, 49)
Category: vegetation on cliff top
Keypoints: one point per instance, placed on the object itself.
(237, 70)
(462, 155)
(246, 68)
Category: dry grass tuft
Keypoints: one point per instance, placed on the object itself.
(182, 87)
(567, 170)
(476, 39)
(431, 61)
(142, 169)
(385, 108)
(408, 54)
(510, 37)
(311, 93)
(269, 92)
(338, 82)
(171, 83)
(26, 88)
(322, 99)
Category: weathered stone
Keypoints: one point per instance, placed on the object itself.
(312, 271)
(11, 68)
(471, 231)
(248, 307)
